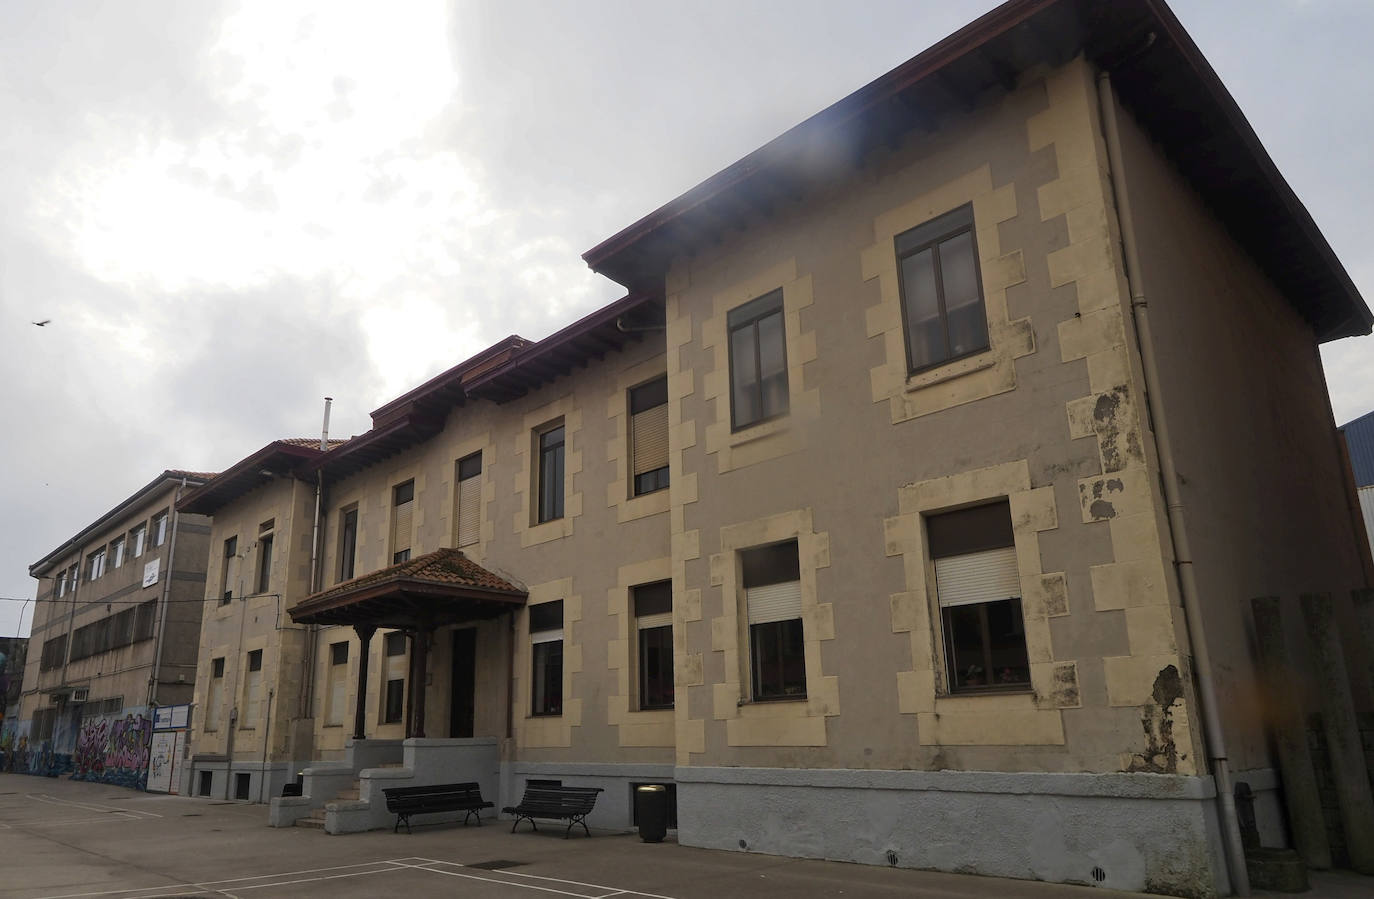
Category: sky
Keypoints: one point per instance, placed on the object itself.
(229, 211)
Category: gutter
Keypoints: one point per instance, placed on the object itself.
(1213, 735)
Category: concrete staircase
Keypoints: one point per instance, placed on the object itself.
(315, 821)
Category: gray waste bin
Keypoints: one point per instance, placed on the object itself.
(651, 810)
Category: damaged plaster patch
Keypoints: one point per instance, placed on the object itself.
(1095, 497)
(1157, 720)
(1063, 688)
(1117, 438)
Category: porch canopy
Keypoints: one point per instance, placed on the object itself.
(416, 596)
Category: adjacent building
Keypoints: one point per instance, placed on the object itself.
(1358, 435)
(115, 634)
(908, 509)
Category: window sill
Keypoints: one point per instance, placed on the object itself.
(989, 701)
(750, 433)
(950, 371)
(545, 715)
(770, 700)
(328, 726)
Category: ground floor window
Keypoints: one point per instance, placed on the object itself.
(546, 644)
(777, 647)
(653, 607)
(395, 677)
(978, 588)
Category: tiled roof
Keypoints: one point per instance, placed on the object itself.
(448, 567)
(312, 442)
(196, 475)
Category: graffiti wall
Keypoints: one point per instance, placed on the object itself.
(17, 756)
(114, 750)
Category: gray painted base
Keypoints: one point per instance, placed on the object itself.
(264, 782)
(1145, 832)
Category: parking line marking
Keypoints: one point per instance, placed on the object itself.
(45, 797)
(614, 891)
(209, 885)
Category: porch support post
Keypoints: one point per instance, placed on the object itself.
(365, 632)
(419, 674)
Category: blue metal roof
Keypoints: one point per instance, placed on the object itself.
(1359, 436)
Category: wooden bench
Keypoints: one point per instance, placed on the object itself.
(407, 801)
(571, 803)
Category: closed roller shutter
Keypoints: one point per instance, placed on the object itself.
(651, 439)
(469, 511)
(971, 578)
(774, 602)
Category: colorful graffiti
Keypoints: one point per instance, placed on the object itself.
(114, 751)
(18, 757)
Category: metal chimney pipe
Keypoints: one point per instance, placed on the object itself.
(324, 431)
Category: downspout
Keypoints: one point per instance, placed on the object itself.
(266, 737)
(166, 593)
(307, 697)
(1213, 735)
(510, 680)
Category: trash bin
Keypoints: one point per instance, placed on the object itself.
(651, 810)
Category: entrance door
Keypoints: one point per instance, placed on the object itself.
(463, 698)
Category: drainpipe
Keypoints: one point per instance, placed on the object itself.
(307, 697)
(166, 593)
(266, 736)
(1178, 525)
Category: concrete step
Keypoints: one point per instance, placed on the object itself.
(313, 823)
(348, 794)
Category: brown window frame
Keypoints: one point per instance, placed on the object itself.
(929, 236)
(749, 315)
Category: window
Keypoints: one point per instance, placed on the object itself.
(348, 544)
(116, 552)
(649, 435)
(265, 555)
(394, 678)
(403, 503)
(112, 706)
(137, 538)
(252, 688)
(73, 576)
(469, 511)
(54, 653)
(551, 474)
(96, 562)
(546, 639)
(215, 695)
(654, 632)
(772, 588)
(979, 592)
(942, 295)
(160, 529)
(758, 361)
(338, 683)
(61, 588)
(226, 575)
(43, 722)
(145, 620)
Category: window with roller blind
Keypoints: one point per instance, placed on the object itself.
(649, 436)
(653, 605)
(772, 590)
(978, 589)
(402, 514)
(469, 500)
(337, 680)
(546, 653)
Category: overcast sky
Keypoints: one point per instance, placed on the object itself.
(230, 211)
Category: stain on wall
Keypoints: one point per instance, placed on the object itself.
(1157, 719)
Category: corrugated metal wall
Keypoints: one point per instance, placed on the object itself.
(1359, 437)
(1367, 509)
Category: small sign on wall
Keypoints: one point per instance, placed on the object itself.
(150, 571)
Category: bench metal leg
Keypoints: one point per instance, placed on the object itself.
(519, 818)
(399, 820)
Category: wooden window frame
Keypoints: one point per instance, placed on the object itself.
(930, 235)
(749, 315)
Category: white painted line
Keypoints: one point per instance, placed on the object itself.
(44, 797)
(595, 886)
(522, 886)
(209, 885)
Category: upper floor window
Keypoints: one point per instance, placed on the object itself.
(97, 564)
(649, 435)
(758, 361)
(772, 591)
(550, 474)
(469, 498)
(402, 516)
(215, 694)
(942, 295)
(54, 653)
(348, 543)
(394, 678)
(654, 632)
(137, 538)
(979, 591)
(116, 552)
(227, 567)
(61, 588)
(265, 555)
(160, 529)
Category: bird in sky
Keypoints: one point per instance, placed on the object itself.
(43, 322)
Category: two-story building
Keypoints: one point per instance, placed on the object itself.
(907, 510)
(115, 634)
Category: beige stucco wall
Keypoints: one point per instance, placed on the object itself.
(859, 461)
(1252, 430)
(254, 620)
